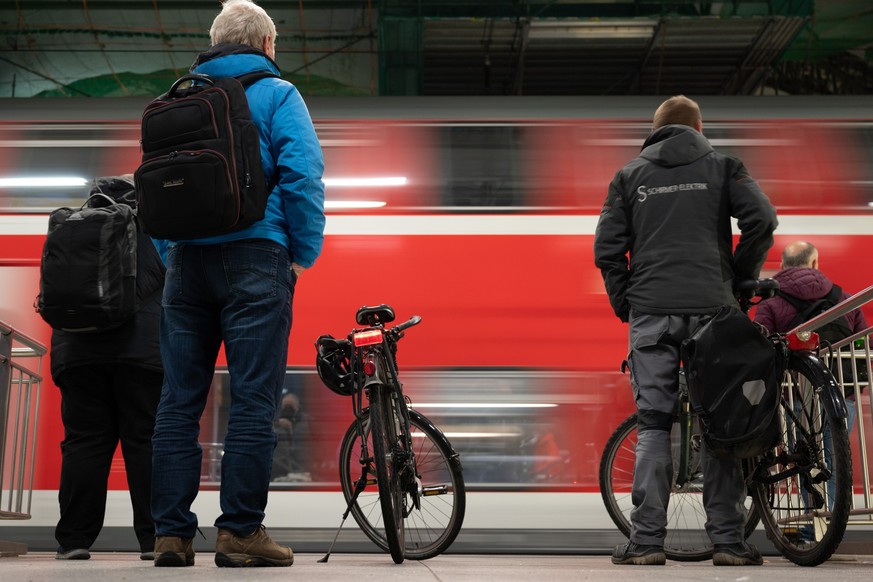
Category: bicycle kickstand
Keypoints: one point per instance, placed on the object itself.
(359, 487)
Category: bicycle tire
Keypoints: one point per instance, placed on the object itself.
(430, 529)
(805, 537)
(382, 418)
(686, 539)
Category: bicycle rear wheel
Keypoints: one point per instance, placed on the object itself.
(803, 487)
(432, 526)
(686, 538)
(384, 425)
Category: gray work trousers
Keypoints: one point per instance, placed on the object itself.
(655, 342)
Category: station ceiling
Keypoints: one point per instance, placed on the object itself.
(449, 47)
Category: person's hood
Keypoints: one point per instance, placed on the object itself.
(804, 283)
(232, 60)
(119, 188)
(675, 145)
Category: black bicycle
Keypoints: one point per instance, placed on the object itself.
(399, 474)
(800, 489)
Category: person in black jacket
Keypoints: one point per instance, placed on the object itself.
(110, 384)
(664, 246)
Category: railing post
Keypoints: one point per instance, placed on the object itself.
(833, 356)
(19, 412)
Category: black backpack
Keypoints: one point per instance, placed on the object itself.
(201, 172)
(734, 375)
(831, 333)
(89, 264)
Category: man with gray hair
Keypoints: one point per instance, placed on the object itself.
(800, 254)
(801, 283)
(663, 244)
(801, 278)
(237, 289)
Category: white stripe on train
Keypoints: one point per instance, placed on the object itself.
(323, 509)
(479, 224)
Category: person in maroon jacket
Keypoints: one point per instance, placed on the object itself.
(800, 278)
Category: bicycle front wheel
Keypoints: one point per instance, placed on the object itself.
(432, 525)
(686, 538)
(803, 487)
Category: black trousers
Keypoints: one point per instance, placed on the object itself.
(102, 404)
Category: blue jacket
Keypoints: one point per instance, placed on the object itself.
(295, 209)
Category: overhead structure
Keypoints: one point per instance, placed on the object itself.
(454, 47)
(701, 56)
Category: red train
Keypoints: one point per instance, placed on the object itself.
(477, 214)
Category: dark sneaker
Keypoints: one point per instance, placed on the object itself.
(171, 551)
(741, 554)
(75, 554)
(639, 555)
(147, 556)
(257, 549)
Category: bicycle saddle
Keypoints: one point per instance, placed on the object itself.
(375, 315)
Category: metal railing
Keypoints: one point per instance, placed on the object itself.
(850, 361)
(19, 406)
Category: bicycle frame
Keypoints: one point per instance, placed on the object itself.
(685, 417)
(374, 364)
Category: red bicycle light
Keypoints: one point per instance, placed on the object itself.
(369, 367)
(804, 340)
(367, 338)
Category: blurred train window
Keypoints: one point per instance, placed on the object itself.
(587, 159)
(862, 187)
(515, 429)
(483, 166)
(50, 150)
(803, 167)
(358, 151)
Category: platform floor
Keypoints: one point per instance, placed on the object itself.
(106, 566)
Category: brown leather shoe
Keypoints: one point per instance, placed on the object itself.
(257, 549)
(173, 552)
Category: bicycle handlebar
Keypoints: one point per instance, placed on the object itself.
(746, 290)
(414, 320)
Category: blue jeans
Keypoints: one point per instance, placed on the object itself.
(239, 293)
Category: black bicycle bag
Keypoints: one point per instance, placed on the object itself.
(734, 375)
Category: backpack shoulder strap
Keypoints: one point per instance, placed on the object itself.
(804, 308)
(835, 294)
(796, 302)
(250, 78)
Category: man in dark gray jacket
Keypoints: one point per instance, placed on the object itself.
(664, 246)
